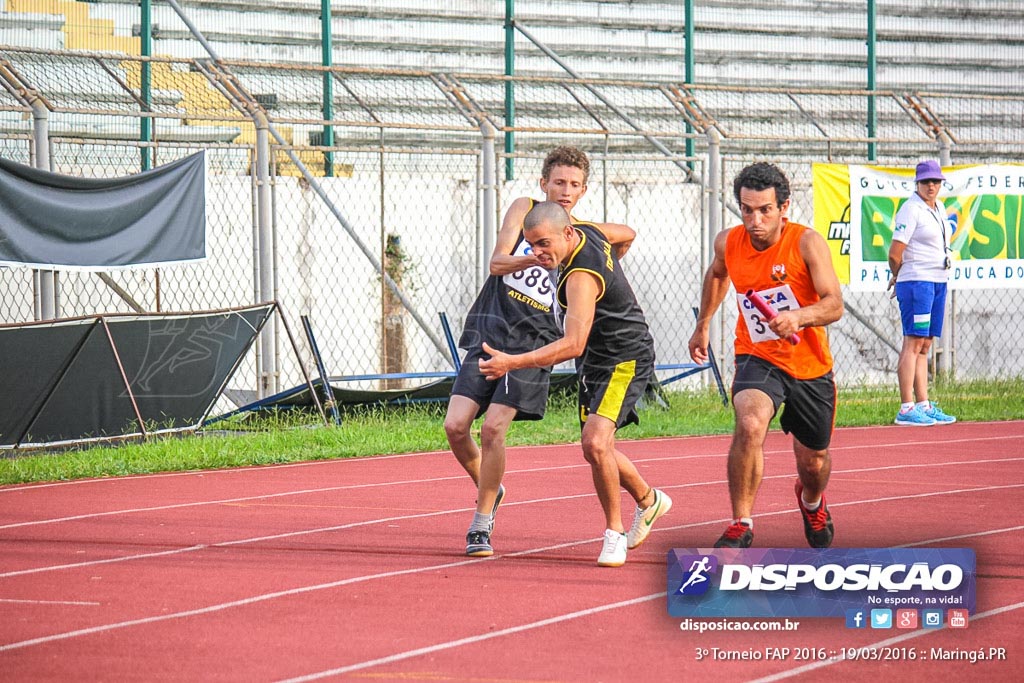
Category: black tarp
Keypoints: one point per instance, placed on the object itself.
(59, 222)
(62, 381)
(436, 391)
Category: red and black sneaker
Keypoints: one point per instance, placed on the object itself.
(818, 524)
(737, 535)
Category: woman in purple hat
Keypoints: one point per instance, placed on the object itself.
(920, 260)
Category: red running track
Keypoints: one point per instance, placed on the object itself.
(353, 569)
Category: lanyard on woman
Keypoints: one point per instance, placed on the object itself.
(947, 262)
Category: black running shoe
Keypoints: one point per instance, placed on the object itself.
(478, 544)
(818, 527)
(737, 535)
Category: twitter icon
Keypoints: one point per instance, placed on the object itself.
(881, 618)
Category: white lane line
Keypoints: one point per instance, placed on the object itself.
(235, 603)
(398, 518)
(49, 602)
(92, 563)
(408, 654)
(883, 643)
(263, 468)
(356, 579)
(369, 459)
(347, 487)
(962, 536)
(573, 615)
(300, 492)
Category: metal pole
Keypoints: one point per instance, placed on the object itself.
(326, 43)
(47, 292)
(510, 101)
(689, 67)
(714, 219)
(315, 185)
(478, 242)
(490, 181)
(655, 142)
(947, 344)
(872, 65)
(193, 30)
(268, 370)
(254, 217)
(146, 123)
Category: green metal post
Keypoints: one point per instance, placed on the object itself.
(689, 69)
(145, 85)
(510, 103)
(326, 41)
(872, 115)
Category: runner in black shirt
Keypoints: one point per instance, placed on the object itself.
(514, 311)
(606, 332)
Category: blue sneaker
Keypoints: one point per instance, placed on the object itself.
(915, 417)
(935, 413)
(478, 544)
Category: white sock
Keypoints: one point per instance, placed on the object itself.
(748, 521)
(904, 407)
(923, 405)
(480, 522)
(808, 506)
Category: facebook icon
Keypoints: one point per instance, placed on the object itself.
(856, 618)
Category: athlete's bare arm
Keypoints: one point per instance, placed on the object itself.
(582, 291)
(829, 308)
(619, 236)
(712, 294)
(502, 263)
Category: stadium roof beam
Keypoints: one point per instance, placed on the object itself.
(658, 144)
(924, 116)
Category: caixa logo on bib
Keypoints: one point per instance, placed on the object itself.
(788, 582)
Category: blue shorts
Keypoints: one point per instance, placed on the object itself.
(922, 307)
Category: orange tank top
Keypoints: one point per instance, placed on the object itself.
(780, 275)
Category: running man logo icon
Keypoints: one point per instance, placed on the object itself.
(697, 579)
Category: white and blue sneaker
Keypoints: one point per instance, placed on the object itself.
(915, 417)
(935, 413)
(478, 544)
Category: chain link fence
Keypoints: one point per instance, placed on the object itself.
(400, 194)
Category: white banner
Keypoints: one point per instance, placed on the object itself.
(984, 203)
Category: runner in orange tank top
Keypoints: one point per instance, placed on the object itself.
(790, 266)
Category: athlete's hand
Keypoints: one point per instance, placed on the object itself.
(699, 346)
(785, 324)
(497, 365)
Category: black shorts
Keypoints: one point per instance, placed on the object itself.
(613, 391)
(810, 412)
(526, 390)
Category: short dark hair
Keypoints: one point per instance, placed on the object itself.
(566, 156)
(761, 176)
(545, 212)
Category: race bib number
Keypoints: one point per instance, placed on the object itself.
(780, 298)
(534, 282)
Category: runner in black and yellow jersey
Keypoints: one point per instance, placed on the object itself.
(514, 311)
(605, 330)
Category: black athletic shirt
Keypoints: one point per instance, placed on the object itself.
(620, 331)
(513, 312)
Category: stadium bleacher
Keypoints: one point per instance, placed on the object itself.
(966, 47)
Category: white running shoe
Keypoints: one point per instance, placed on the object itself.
(644, 519)
(613, 552)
